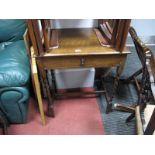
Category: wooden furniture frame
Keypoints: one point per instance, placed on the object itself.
(145, 122)
(143, 111)
(34, 75)
(142, 51)
(74, 48)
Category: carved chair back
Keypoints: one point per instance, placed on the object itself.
(147, 87)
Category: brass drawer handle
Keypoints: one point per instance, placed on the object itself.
(82, 61)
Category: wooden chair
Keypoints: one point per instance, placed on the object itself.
(110, 33)
(114, 32)
(142, 51)
(133, 77)
(144, 112)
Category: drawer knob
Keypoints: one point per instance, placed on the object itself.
(82, 61)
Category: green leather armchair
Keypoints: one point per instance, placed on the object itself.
(14, 71)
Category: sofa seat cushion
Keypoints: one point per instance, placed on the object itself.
(14, 70)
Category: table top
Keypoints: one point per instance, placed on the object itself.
(81, 41)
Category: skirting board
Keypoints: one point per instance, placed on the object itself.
(148, 40)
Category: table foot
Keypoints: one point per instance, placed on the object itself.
(130, 117)
(50, 112)
(109, 108)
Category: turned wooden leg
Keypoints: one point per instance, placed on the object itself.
(108, 99)
(121, 107)
(130, 78)
(130, 117)
(50, 108)
(119, 71)
(50, 111)
(53, 89)
(116, 82)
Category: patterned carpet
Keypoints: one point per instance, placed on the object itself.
(114, 122)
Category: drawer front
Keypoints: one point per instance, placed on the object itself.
(82, 61)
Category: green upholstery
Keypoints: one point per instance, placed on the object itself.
(12, 29)
(14, 102)
(14, 71)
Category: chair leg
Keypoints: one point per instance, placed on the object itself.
(130, 78)
(130, 117)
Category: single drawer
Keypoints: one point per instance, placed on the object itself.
(81, 61)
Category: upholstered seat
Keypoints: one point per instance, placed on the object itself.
(12, 29)
(14, 70)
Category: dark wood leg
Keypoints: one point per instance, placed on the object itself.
(129, 79)
(50, 108)
(121, 107)
(109, 108)
(116, 82)
(119, 71)
(130, 117)
(143, 95)
(108, 99)
(54, 89)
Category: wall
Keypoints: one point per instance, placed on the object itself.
(74, 23)
(145, 29)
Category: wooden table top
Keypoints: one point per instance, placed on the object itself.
(82, 41)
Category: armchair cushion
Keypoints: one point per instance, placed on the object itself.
(12, 29)
(14, 70)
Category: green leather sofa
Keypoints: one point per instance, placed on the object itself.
(14, 71)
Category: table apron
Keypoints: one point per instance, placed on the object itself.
(64, 62)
